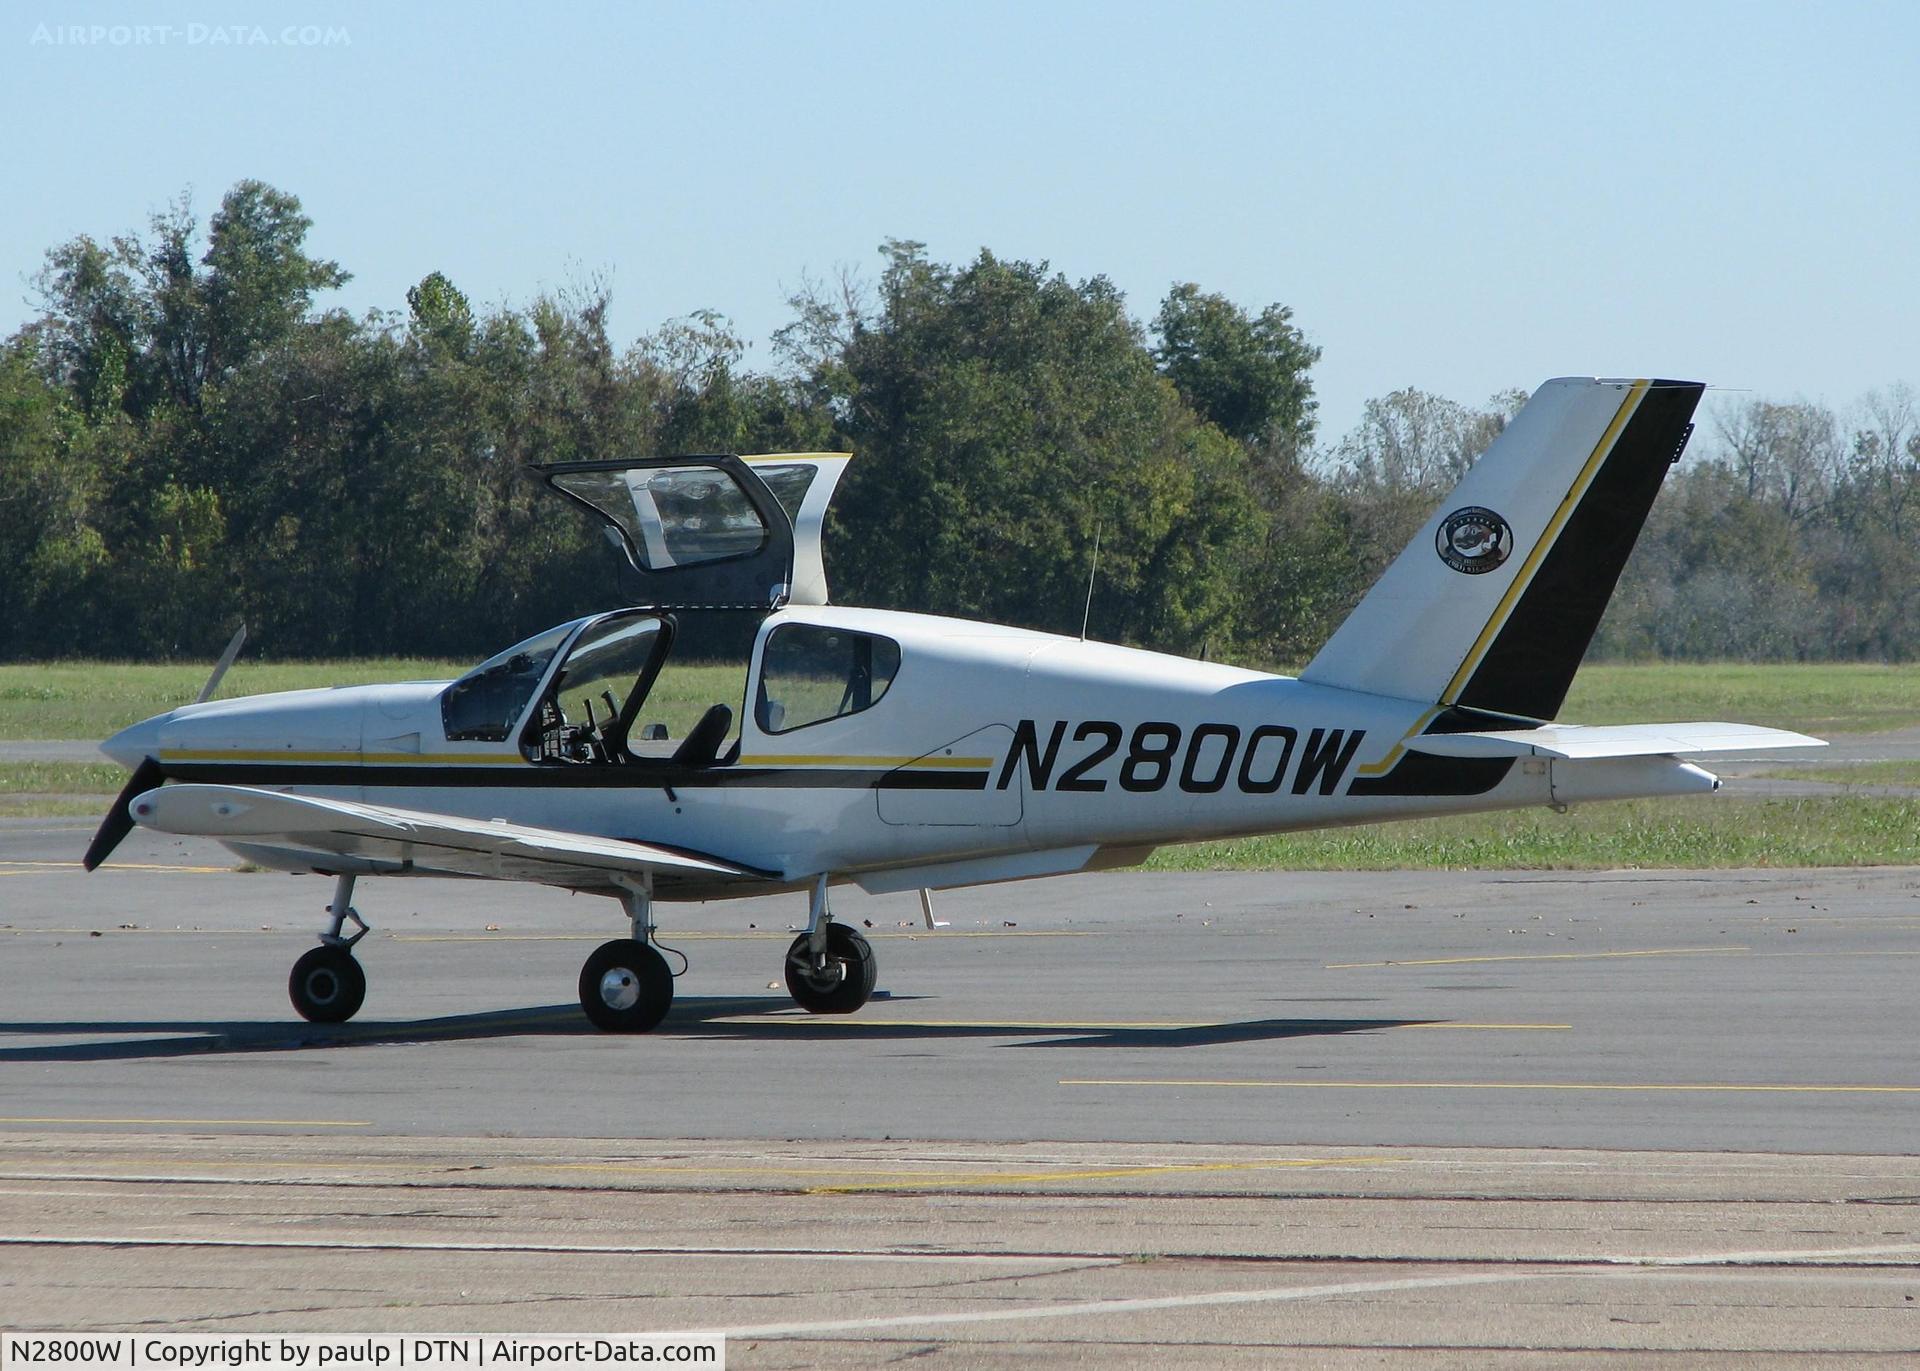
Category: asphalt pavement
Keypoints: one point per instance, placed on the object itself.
(1405, 1118)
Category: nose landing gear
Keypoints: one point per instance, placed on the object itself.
(327, 984)
(831, 968)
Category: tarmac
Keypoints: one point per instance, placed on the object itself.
(1260, 1119)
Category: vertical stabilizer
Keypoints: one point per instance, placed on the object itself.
(1493, 603)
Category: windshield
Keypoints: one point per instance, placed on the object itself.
(485, 704)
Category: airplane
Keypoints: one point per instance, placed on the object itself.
(908, 752)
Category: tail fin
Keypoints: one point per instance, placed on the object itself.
(1493, 603)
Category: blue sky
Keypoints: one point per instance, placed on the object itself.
(1462, 198)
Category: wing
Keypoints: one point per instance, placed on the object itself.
(1574, 742)
(420, 842)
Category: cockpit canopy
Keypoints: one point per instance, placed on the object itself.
(713, 532)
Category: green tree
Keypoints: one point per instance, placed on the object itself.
(51, 482)
(1245, 375)
(176, 320)
(1003, 418)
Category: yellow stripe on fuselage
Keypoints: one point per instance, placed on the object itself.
(343, 758)
(513, 759)
(1386, 762)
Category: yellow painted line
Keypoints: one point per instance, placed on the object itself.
(800, 1019)
(1888, 952)
(670, 935)
(1488, 1027)
(896, 1178)
(1705, 1087)
(224, 1123)
(439, 1168)
(1109, 1173)
(1629, 405)
(1541, 957)
(27, 868)
(103, 930)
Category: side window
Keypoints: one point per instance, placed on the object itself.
(810, 674)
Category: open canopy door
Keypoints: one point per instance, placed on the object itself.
(713, 532)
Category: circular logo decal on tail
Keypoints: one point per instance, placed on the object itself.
(1473, 540)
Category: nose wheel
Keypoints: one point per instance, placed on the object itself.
(327, 984)
(836, 980)
(830, 967)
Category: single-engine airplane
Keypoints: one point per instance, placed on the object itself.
(906, 752)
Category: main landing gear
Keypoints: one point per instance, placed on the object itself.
(327, 984)
(626, 986)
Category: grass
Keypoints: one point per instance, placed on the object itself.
(92, 699)
(60, 778)
(89, 700)
(1856, 773)
(40, 807)
(1817, 699)
(1822, 830)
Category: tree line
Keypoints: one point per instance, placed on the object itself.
(190, 437)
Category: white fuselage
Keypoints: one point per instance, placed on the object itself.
(994, 753)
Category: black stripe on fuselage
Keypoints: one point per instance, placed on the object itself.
(1530, 663)
(1419, 773)
(582, 776)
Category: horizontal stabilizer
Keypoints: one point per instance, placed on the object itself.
(1579, 742)
(439, 843)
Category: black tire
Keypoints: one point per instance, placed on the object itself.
(625, 987)
(327, 985)
(850, 973)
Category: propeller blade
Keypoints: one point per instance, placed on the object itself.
(234, 645)
(119, 822)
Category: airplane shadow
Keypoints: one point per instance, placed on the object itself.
(760, 1018)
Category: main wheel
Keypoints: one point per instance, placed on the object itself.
(625, 987)
(327, 985)
(844, 984)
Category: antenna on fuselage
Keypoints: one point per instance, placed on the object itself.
(1092, 571)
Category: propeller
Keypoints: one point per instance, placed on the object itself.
(234, 644)
(119, 821)
(149, 774)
